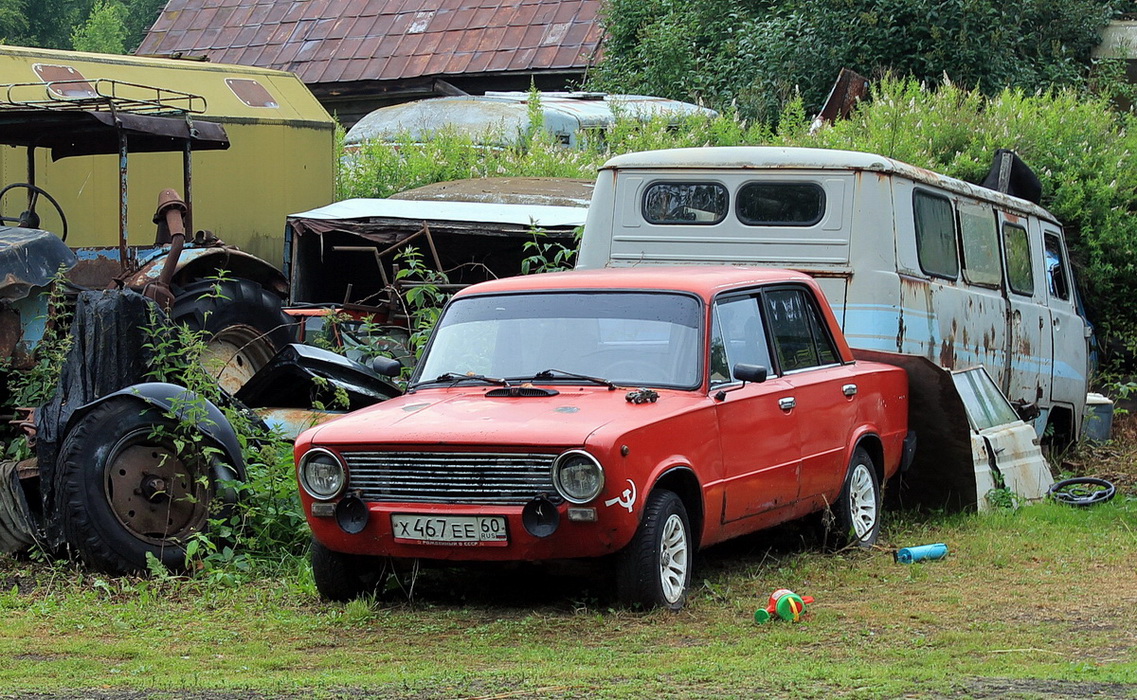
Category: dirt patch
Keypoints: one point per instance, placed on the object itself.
(1114, 461)
(1041, 689)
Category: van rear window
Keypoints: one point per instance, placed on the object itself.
(685, 203)
(780, 203)
(935, 235)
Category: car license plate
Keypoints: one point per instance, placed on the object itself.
(463, 530)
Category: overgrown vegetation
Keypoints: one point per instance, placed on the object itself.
(1082, 149)
(755, 56)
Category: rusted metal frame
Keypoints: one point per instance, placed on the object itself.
(122, 232)
(187, 175)
(424, 231)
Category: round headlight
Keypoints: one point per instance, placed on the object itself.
(322, 474)
(579, 478)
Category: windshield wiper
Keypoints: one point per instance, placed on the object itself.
(454, 378)
(560, 373)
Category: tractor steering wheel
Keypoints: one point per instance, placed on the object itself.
(29, 218)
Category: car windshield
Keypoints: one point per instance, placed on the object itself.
(637, 338)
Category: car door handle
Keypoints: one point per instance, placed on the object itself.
(849, 390)
(787, 403)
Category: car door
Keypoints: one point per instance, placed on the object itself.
(822, 390)
(758, 434)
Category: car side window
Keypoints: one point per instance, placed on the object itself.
(800, 338)
(737, 337)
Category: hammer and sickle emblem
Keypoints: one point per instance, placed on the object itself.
(626, 499)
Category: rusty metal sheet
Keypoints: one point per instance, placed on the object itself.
(290, 422)
(325, 28)
(548, 191)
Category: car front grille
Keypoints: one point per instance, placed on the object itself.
(494, 478)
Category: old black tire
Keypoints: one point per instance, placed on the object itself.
(243, 323)
(342, 577)
(125, 491)
(655, 568)
(857, 515)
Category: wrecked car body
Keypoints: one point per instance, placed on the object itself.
(345, 253)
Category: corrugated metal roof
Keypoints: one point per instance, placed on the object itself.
(327, 41)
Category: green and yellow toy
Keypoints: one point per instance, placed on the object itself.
(785, 604)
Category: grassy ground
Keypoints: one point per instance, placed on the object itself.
(1041, 602)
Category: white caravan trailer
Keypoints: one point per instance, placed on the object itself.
(913, 262)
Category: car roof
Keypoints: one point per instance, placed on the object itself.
(704, 280)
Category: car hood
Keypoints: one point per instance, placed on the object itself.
(465, 416)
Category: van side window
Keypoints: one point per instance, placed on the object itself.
(737, 336)
(980, 245)
(935, 235)
(685, 203)
(799, 339)
(1020, 277)
(1056, 268)
(780, 203)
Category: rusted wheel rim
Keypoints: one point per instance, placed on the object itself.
(235, 354)
(154, 494)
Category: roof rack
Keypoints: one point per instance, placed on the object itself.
(99, 95)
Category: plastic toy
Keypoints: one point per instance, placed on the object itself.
(785, 604)
(924, 551)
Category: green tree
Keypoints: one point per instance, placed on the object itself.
(757, 55)
(103, 32)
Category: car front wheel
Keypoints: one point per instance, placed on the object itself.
(655, 568)
(342, 577)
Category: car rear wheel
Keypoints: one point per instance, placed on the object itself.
(859, 506)
(655, 568)
(342, 577)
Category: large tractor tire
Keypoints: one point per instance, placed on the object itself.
(127, 490)
(243, 323)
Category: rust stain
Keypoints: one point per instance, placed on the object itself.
(947, 355)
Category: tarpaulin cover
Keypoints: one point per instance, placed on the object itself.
(108, 353)
(16, 529)
(30, 258)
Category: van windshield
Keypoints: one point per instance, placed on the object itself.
(637, 338)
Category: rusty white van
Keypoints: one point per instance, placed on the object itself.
(913, 262)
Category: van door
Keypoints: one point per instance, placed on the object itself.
(1069, 332)
(1029, 321)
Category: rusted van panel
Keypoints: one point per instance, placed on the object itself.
(913, 262)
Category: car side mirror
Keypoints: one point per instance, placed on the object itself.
(386, 366)
(750, 373)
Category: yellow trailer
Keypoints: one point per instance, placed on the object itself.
(280, 159)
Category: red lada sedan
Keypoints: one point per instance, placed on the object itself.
(639, 414)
